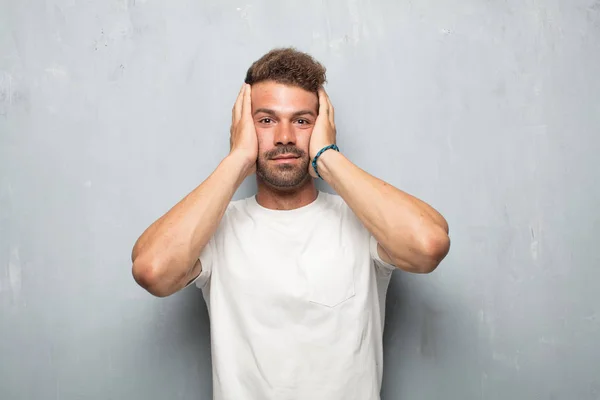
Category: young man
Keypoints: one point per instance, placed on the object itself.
(295, 279)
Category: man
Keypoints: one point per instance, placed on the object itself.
(294, 279)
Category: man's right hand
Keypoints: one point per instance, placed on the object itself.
(243, 140)
(165, 257)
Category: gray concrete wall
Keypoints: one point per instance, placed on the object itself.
(112, 110)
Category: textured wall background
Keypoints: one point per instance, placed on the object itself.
(112, 110)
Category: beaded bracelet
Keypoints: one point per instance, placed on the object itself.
(314, 161)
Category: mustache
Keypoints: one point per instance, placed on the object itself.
(286, 149)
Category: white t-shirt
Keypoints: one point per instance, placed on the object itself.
(296, 302)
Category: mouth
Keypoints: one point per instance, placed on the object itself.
(285, 157)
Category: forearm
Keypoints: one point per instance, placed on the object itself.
(411, 232)
(167, 251)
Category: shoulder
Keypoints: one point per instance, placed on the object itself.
(332, 200)
(336, 204)
(341, 218)
(236, 209)
(238, 205)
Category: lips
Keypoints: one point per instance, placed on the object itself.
(285, 157)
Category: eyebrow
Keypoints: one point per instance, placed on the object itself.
(295, 114)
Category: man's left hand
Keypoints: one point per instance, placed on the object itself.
(323, 133)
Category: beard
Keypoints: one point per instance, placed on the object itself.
(283, 176)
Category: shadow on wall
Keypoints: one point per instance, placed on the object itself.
(184, 338)
(410, 336)
(422, 332)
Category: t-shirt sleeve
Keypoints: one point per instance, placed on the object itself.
(208, 255)
(206, 259)
(379, 263)
(206, 262)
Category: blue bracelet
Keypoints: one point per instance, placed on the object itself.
(314, 161)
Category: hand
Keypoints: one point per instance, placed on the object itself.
(243, 140)
(323, 133)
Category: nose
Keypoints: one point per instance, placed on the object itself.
(285, 134)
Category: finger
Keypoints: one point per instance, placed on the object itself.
(236, 112)
(323, 104)
(247, 103)
(331, 109)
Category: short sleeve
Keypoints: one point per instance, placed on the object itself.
(382, 265)
(206, 259)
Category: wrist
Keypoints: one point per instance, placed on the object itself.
(242, 162)
(325, 161)
(315, 149)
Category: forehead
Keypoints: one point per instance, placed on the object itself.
(282, 98)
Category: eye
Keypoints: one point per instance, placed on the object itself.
(303, 121)
(265, 120)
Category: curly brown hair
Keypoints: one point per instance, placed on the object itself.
(289, 67)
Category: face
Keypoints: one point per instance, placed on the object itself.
(284, 117)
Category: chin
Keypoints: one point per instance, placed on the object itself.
(283, 178)
(283, 181)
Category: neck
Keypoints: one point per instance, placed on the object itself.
(276, 199)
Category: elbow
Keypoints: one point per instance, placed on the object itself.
(148, 275)
(427, 252)
(435, 245)
(421, 251)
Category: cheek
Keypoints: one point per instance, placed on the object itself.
(265, 141)
(303, 139)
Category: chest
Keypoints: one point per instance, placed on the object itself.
(316, 263)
